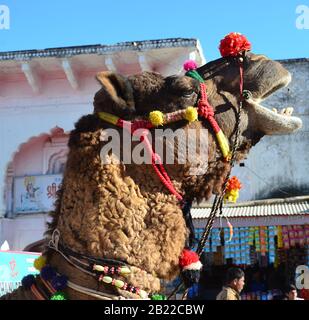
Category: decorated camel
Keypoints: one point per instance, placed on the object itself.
(118, 228)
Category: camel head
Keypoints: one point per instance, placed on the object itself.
(262, 77)
(136, 96)
(140, 94)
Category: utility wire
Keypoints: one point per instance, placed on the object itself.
(266, 182)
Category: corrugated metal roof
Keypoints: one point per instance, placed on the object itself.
(260, 208)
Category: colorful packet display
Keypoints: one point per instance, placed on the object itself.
(251, 245)
(251, 236)
(263, 240)
(243, 242)
(301, 235)
(257, 239)
(237, 248)
(285, 237)
(279, 237)
(271, 244)
(297, 233)
(227, 244)
(232, 249)
(291, 234)
(215, 239)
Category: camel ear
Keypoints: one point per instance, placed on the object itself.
(115, 96)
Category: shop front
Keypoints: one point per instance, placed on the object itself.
(268, 239)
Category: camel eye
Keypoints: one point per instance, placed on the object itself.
(188, 93)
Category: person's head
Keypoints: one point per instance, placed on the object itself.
(291, 292)
(235, 278)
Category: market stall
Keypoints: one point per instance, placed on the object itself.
(269, 239)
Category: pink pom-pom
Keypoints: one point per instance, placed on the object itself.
(190, 65)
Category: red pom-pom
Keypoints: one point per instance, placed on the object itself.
(190, 65)
(187, 257)
(233, 184)
(233, 44)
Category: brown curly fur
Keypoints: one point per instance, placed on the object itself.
(124, 211)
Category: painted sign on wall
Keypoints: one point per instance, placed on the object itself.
(36, 193)
(13, 267)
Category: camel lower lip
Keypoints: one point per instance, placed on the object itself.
(273, 123)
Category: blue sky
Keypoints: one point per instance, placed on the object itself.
(268, 24)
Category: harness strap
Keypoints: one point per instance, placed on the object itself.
(156, 161)
(206, 111)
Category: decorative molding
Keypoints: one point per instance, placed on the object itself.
(142, 60)
(70, 73)
(57, 161)
(110, 64)
(55, 154)
(32, 77)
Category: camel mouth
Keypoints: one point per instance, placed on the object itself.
(282, 83)
(275, 121)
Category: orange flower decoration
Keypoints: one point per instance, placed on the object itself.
(233, 184)
(232, 190)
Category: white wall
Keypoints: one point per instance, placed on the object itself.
(24, 115)
(22, 231)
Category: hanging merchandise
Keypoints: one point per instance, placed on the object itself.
(301, 235)
(257, 239)
(215, 239)
(251, 236)
(233, 245)
(285, 237)
(258, 245)
(247, 246)
(279, 237)
(292, 238)
(263, 240)
(242, 241)
(237, 246)
(271, 244)
(227, 245)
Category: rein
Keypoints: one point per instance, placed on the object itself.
(103, 270)
(218, 201)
